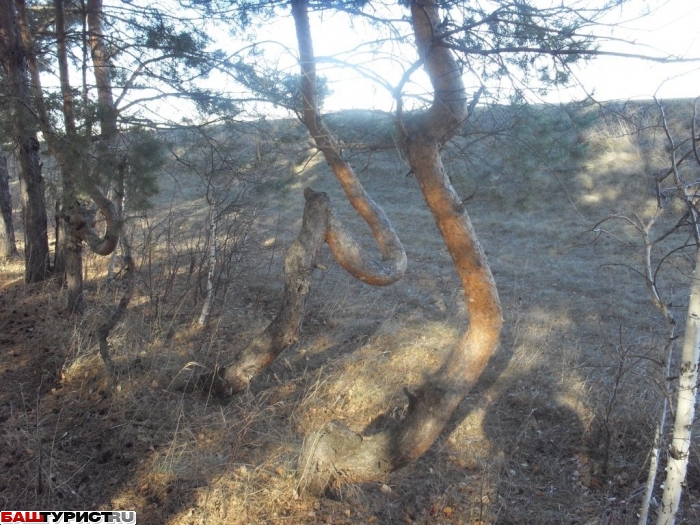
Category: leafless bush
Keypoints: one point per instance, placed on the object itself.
(192, 253)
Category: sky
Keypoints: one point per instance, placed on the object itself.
(671, 28)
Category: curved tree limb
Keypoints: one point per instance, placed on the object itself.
(321, 224)
(107, 243)
(67, 149)
(347, 252)
(358, 263)
(337, 455)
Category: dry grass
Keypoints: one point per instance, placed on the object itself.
(527, 446)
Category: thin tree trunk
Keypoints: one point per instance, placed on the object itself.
(70, 162)
(654, 459)
(656, 446)
(8, 246)
(59, 259)
(119, 312)
(679, 447)
(101, 66)
(113, 169)
(15, 60)
(685, 406)
(118, 197)
(336, 454)
(299, 263)
(73, 252)
(208, 298)
(112, 262)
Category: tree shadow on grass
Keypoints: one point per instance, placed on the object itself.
(66, 442)
(544, 464)
(526, 462)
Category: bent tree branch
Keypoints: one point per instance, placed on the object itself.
(336, 454)
(68, 152)
(347, 252)
(321, 224)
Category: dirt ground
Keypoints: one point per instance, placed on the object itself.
(557, 431)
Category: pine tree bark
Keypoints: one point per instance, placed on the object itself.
(61, 235)
(337, 455)
(320, 220)
(70, 158)
(376, 272)
(15, 56)
(299, 263)
(107, 113)
(321, 224)
(8, 245)
(113, 169)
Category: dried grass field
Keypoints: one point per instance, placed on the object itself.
(558, 430)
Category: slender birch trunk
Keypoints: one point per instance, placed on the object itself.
(206, 307)
(679, 448)
(662, 306)
(654, 461)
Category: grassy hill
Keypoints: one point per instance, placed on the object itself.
(557, 431)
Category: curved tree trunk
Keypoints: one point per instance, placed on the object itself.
(78, 225)
(336, 454)
(299, 262)
(345, 249)
(284, 330)
(113, 169)
(71, 161)
(104, 330)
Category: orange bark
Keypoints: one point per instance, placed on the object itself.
(346, 251)
(284, 330)
(336, 454)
